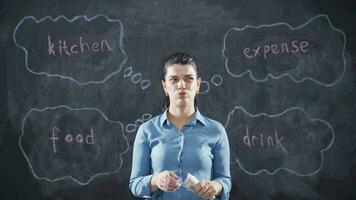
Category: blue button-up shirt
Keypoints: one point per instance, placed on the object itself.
(200, 148)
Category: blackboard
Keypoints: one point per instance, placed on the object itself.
(79, 77)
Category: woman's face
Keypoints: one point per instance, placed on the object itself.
(181, 84)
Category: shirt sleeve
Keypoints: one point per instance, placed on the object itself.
(221, 164)
(140, 179)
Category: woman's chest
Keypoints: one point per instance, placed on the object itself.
(181, 149)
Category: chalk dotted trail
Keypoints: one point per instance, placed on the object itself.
(136, 78)
(132, 127)
(128, 73)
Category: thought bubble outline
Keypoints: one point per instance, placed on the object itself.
(88, 19)
(274, 116)
(69, 176)
(269, 75)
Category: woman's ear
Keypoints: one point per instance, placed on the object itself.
(198, 84)
(164, 87)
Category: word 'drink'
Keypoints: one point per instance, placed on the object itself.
(264, 141)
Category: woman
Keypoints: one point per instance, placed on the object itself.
(181, 141)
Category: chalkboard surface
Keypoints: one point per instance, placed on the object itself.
(79, 77)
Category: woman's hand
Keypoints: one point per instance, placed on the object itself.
(166, 181)
(208, 189)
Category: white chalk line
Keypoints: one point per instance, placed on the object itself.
(121, 45)
(269, 75)
(71, 177)
(136, 78)
(237, 161)
(132, 127)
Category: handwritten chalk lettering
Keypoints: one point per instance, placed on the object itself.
(79, 138)
(63, 48)
(264, 141)
(294, 46)
(69, 138)
(55, 132)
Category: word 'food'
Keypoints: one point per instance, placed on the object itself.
(69, 138)
(63, 48)
(294, 46)
(264, 141)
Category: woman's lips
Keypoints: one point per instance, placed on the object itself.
(181, 94)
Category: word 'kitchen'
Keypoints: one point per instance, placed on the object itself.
(65, 48)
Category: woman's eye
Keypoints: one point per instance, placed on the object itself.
(173, 80)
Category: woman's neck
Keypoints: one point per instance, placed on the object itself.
(180, 116)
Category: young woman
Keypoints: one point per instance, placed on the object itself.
(181, 141)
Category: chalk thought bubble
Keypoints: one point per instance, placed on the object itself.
(313, 51)
(66, 143)
(290, 141)
(82, 49)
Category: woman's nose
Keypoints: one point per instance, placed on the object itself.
(181, 84)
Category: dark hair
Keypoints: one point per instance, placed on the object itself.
(181, 58)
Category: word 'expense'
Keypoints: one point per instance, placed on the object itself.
(63, 48)
(294, 46)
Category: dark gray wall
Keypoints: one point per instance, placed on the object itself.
(289, 114)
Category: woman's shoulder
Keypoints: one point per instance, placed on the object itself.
(156, 120)
(212, 123)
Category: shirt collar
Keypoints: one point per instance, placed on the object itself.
(163, 117)
(200, 117)
(197, 117)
